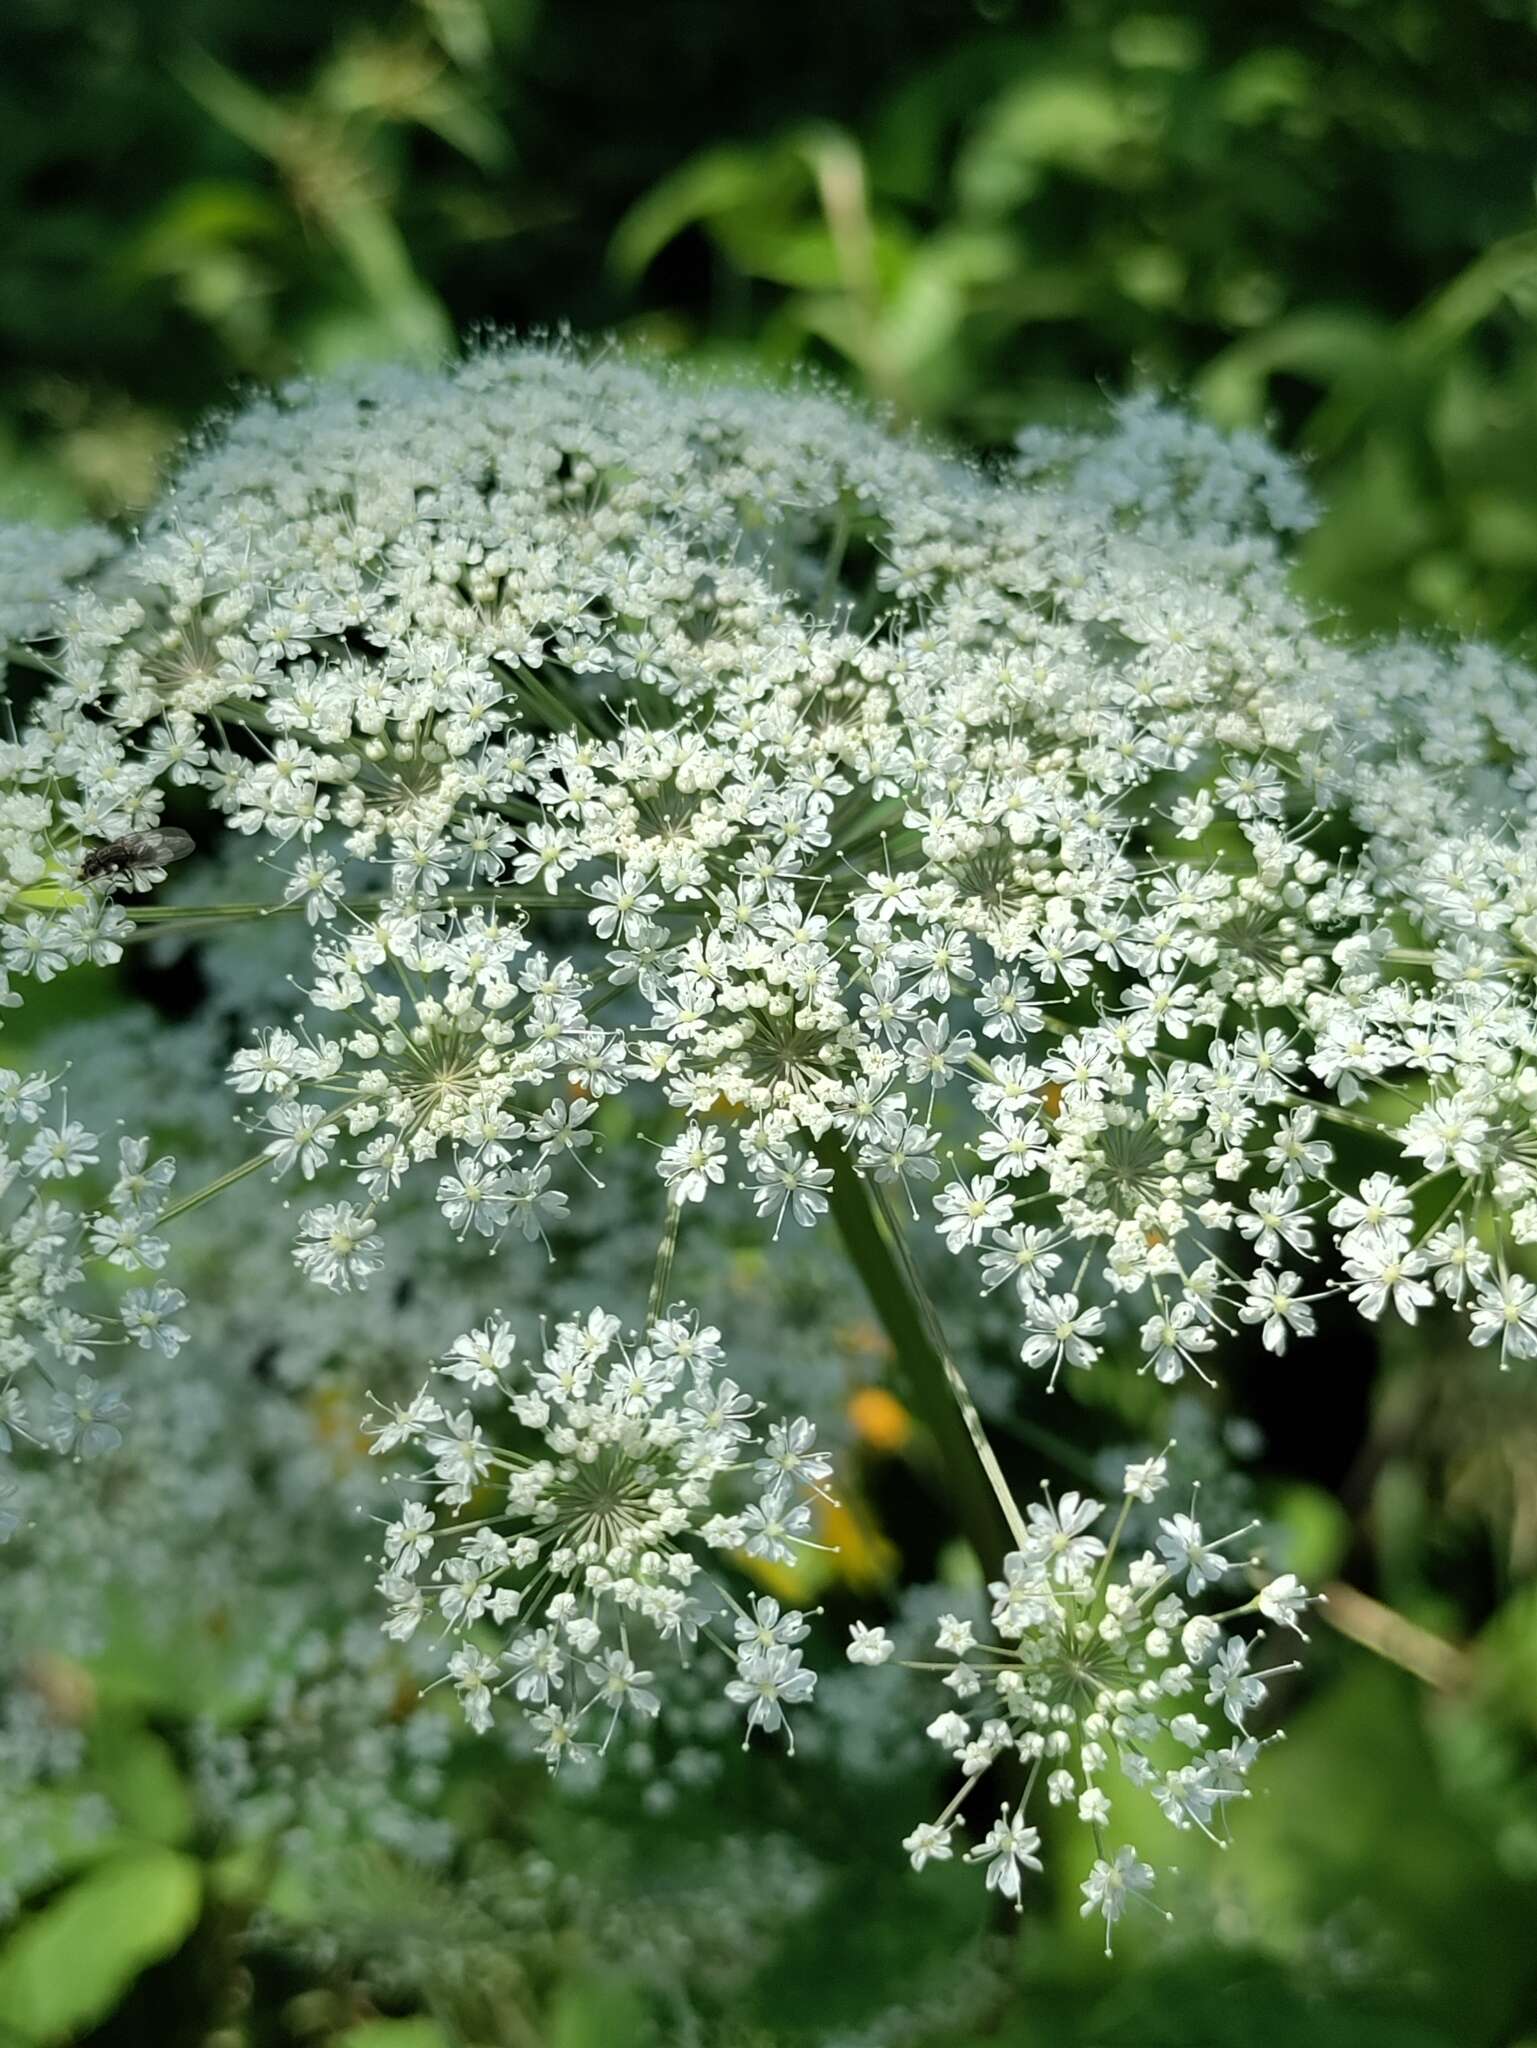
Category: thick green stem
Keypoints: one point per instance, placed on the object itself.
(933, 1387)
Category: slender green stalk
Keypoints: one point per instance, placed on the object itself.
(185, 913)
(831, 568)
(214, 1187)
(933, 1387)
(157, 917)
(891, 1227)
(243, 1171)
(542, 697)
(662, 1271)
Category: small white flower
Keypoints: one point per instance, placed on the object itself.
(1282, 1600)
(869, 1645)
(928, 1843)
(1186, 1550)
(1008, 1849)
(694, 1163)
(1145, 1481)
(1111, 1883)
(955, 1636)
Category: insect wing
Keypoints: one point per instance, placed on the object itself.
(159, 848)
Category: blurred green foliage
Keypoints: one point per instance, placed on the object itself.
(1316, 214)
(198, 192)
(1318, 217)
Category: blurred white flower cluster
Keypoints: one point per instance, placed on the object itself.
(46, 1242)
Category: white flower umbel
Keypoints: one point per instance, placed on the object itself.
(1016, 836)
(565, 1547)
(1100, 1679)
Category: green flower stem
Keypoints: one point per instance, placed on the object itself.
(242, 1172)
(837, 547)
(155, 918)
(539, 693)
(214, 1187)
(662, 1271)
(983, 1503)
(204, 913)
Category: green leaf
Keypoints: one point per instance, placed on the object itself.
(717, 182)
(261, 123)
(203, 215)
(1326, 345)
(183, 1665)
(1050, 119)
(136, 1770)
(600, 2015)
(418, 2033)
(1507, 1651)
(1502, 529)
(1211, 1996)
(68, 1966)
